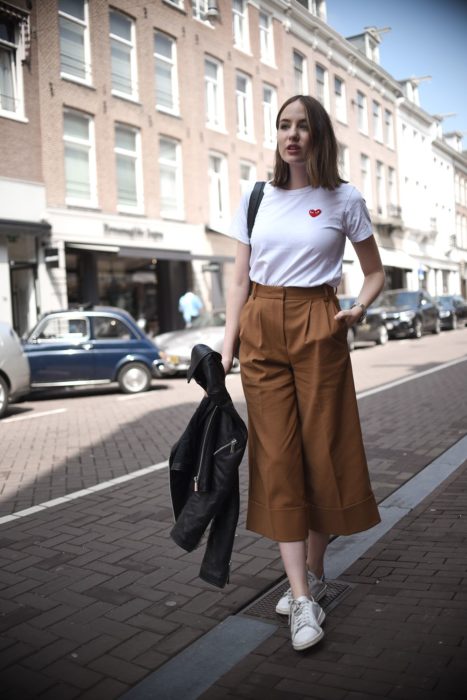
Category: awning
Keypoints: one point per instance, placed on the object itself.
(11, 227)
(93, 247)
(397, 258)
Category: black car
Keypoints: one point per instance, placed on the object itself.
(372, 330)
(408, 314)
(447, 313)
(459, 304)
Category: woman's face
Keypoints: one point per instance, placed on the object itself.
(293, 134)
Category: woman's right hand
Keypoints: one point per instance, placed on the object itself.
(227, 363)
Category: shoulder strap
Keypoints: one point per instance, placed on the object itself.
(253, 205)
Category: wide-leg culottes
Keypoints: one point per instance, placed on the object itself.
(307, 464)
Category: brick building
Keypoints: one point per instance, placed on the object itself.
(136, 126)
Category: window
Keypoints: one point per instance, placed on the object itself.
(389, 128)
(214, 93)
(107, 328)
(392, 187)
(300, 74)
(80, 176)
(316, 7)
(362, 113)
(340, 102)
(200, 10)
(247, 176)
(12, 47)
(343, 161)
(123, 55)
(218, 192)
(244, 106)
(75, 52)
(240, 25)
(269, 115)
(366, 179)
(64, 329)
(322, 86)
(377, 122)
(165, 61)
(129, 176)
(266, 38)
(171, 182)
(380, 188)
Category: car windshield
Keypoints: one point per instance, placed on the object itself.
(216, 318)
(397, 299)
(446, 302)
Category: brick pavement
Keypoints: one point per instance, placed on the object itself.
(93, 593)
(402, 631)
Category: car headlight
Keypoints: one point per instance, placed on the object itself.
(444, 314)
(406, 315)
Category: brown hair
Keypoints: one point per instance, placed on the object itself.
(321, 164)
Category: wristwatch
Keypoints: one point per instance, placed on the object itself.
(363, 308)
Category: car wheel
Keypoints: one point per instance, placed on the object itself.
(383, 335)
(417, 328)
(437, 328)
(133, 378)
(3, 397)
(351, 339)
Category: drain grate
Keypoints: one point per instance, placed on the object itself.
(264, 607)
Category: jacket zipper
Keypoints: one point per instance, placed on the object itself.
(232, 444)
(196, 478)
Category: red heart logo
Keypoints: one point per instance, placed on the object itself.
(314, 212)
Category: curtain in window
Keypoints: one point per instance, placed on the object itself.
(7, 89)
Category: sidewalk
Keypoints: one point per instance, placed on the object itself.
(95, 597)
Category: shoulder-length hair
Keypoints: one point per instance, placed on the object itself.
(321, 163)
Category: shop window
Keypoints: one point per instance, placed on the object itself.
(75, 51)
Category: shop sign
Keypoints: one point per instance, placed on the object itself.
(135, 232)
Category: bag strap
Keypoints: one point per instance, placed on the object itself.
(253, 205)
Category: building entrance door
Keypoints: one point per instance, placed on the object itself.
(23, 277)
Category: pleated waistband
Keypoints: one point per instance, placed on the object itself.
(265, 291)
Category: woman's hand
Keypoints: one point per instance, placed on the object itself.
(350, 316)
(227, 363)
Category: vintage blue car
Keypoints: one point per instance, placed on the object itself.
(91, 346)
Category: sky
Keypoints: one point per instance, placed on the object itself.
(427, 37)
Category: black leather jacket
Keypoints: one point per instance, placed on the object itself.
(203, 469)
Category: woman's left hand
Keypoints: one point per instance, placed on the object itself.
(350, 316)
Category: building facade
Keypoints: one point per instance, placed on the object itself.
(131, 130)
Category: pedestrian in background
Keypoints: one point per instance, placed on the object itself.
(189, 306)
(308, 470)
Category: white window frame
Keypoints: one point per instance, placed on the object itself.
(245, 184)
(176, 3)
(200, 10)
(389, 127)
(218, 190)
(174, 166)
(84, 24)
(16, 52)
(343, 155)
(362, 114)
(392, 190)
(300, 83)
(133, 96)
(172, 63)
(240, 28)
(269, 117)
(138, 208)
(214, 96)
(322, 86)
(365, 171)
(340, 100)
(381, 197)
(90, 146)
(244, 103)
(266, 39)
(377, 117)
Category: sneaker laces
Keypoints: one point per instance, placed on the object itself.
(302, 615)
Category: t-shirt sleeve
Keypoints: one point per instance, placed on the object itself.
(239, 225)
(357, 223)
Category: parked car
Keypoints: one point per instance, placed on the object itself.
(447, 313)
(91, 346)
(458, 302)
(372, 330)
(408, 314)
(175, 346)
(14, 368)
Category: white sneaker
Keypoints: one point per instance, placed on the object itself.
(304, 627)
(317, 587)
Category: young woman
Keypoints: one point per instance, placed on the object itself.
(308, 471)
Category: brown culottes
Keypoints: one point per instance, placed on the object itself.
(307, 463)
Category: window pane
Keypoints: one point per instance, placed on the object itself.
(164, 96)
(168, 150)
(121, 67)
(125, 138)
(126, 181)
(241, 83)
(7, 30)
(77, 172)
(163, 45)
(211, 70)
(120, 26)
(72, 48)
(7, 91)
(76, 126)
(110, 329)
(73, 7)
(168, 189)
(64, 329)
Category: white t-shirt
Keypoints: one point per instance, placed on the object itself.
(298, 239)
